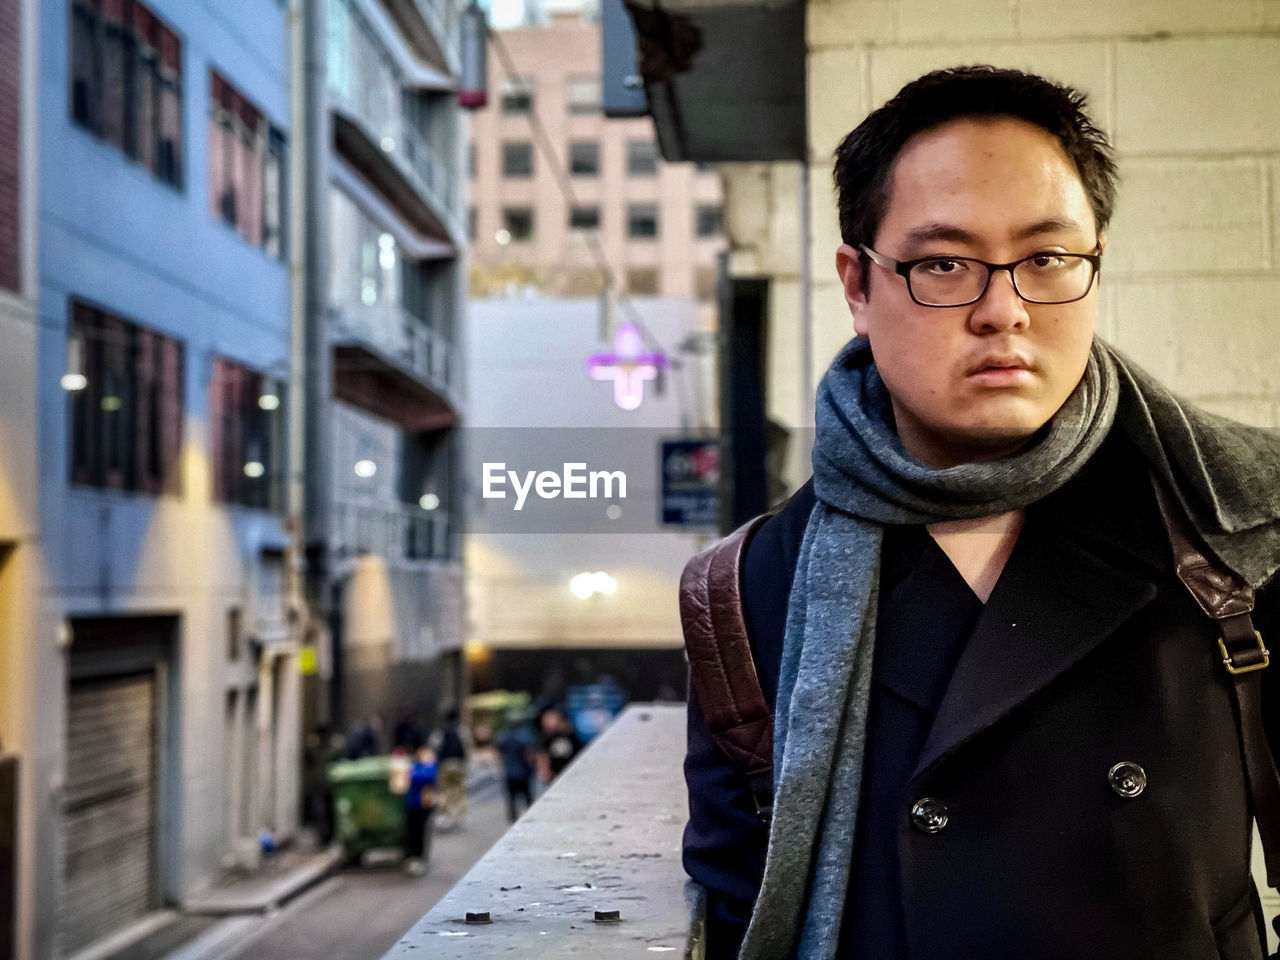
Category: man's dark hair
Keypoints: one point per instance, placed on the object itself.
(866, 156)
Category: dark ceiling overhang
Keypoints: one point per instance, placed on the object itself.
(725, 81)
(364, 378)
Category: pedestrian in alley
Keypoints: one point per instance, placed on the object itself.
(559, 744)
(450, 745)
(988, 686)
(518, 750)
(419, 805)
(408, 733)
(365, 739)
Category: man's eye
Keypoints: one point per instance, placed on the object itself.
(944, 266)
(1047, 261)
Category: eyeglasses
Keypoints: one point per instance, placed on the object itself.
(959, 281)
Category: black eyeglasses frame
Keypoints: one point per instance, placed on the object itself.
(904, 267)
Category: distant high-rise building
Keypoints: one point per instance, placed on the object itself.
(549, 223)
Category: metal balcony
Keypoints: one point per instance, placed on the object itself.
(391, 364)
(396, 531)
(397, 160)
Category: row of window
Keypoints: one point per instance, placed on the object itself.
(126, 390)
(647, 282)
(582, 95)
(642, 221)
(583, 158)
(126, 88)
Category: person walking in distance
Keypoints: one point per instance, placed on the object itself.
(450, 746)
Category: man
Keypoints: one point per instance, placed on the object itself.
(516, 746)
(1002, 728)
(449, 744)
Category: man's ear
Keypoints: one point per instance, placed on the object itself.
(849, 266)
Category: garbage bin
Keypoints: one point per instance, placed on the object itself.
(367, 815)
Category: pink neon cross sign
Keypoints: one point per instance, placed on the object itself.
(628, 366)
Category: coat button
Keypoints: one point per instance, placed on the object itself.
(929, 815)
(1127, 779)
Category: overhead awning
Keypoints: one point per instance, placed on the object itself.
(725, 80)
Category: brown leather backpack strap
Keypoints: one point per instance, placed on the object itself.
(1225, 597)
(721, 666)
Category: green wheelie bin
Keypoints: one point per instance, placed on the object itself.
(367, 815)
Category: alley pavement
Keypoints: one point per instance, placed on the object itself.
(356, 913)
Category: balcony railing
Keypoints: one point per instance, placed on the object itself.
(443, 17)
(430, 173)
(403, 337)
(407, 150)
(396, 531)
(592, 870)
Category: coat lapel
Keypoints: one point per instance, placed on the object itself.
(1055, 602)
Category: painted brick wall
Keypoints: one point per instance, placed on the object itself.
(1190, 94)
(10, 144)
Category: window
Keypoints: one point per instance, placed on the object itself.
(471, 224)
(582, 94)
(584, 218)
(642, 158)
(517, 159)
(246, 418)
(642, 222)
(471, 160)
(518, 222)
(705, 283)
(246, 168)
(642, 281)
(126, 422)
(126, 82)
(517, 95)
(584, 158)
(706, 221)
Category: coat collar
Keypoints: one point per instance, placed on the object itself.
(1089, 558)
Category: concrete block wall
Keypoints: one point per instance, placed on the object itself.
(1189, 93)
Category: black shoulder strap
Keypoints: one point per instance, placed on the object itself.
(1228, 599)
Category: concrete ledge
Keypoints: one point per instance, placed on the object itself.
(605, 837)
(265, 891)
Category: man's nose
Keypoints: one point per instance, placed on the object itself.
(1000, 307)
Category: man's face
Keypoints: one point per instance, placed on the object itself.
(975, 382)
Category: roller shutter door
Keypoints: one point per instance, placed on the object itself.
(109, 809)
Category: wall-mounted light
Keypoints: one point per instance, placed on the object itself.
(365, 468)
(388, 144)
(502, 237)
(253, 469)
(74, 379)
(270, 398)
(429, 501)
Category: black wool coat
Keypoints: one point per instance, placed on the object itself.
(1088, 654)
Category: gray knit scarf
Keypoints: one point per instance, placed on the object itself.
(1226, 476)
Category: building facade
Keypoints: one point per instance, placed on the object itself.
(22, 574)
(164, 693)
(656, 224)
(386, 253)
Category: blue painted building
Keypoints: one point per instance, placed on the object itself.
(168, 703)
